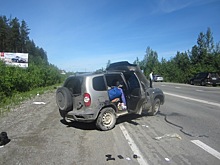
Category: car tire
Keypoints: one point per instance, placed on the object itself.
(106, 119)
(142, 108)
(64, 100)
(155, 107)
(191, 82)
(203, 83)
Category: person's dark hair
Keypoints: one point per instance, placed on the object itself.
(115, 82)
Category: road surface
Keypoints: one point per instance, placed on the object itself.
(185, 131)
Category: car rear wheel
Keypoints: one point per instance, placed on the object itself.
(155, 107)
(106, 119)
(203, 83)
(64, 99)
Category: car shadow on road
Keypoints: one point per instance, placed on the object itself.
(80, 125)
(131, 117)
(92, 126)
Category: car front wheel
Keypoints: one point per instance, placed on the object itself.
(155, 107)
(106, 119)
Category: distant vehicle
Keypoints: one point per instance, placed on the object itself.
(18, 59)
(205, 78)
(158, 78)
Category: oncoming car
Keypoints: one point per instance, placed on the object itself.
(158, 78)
(86, 97)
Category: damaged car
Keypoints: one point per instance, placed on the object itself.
(103, 97)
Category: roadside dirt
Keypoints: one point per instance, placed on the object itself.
(31, 127)
(38, 137)
(22, 127)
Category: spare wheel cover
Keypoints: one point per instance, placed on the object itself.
(64, 99)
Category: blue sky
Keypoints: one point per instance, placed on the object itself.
(82, 35)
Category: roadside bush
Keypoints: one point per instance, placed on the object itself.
(15, 79)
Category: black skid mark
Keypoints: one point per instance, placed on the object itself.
(181, 128)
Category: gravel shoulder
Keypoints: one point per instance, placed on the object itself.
(38, 136)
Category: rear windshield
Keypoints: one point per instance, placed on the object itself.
(208, 75)
(74, 84)
(213, 75)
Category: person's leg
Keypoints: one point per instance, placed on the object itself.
(122, 96)
(150, 83)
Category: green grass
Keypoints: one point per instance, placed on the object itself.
(17, 98)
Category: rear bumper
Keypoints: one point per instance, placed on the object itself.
(213, 82)
(82, 116)
(158, 80)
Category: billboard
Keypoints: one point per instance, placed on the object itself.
(15, 59)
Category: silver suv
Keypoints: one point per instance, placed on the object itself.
(86, 97)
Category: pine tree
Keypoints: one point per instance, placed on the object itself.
(24, 31)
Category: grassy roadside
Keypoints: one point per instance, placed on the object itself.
(17, 98)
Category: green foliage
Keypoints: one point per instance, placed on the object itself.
(204, 56)
(108, 63)
(39, 74)
(16, 80)
(150, 61)
(17, 98)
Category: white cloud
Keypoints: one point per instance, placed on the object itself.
(168, 6)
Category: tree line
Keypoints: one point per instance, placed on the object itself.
(203, 57)
(14, 37)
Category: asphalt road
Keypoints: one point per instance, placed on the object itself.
(195, 111)
(186, 131)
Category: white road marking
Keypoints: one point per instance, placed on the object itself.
(39, 103)
(133, 146)
(192, 99)
(206, 148)
(199, 90)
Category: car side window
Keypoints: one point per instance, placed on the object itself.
(133, 82)
(99, 83)
(111, 79)
(133, 85)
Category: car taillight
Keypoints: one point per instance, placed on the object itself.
(87, 99)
